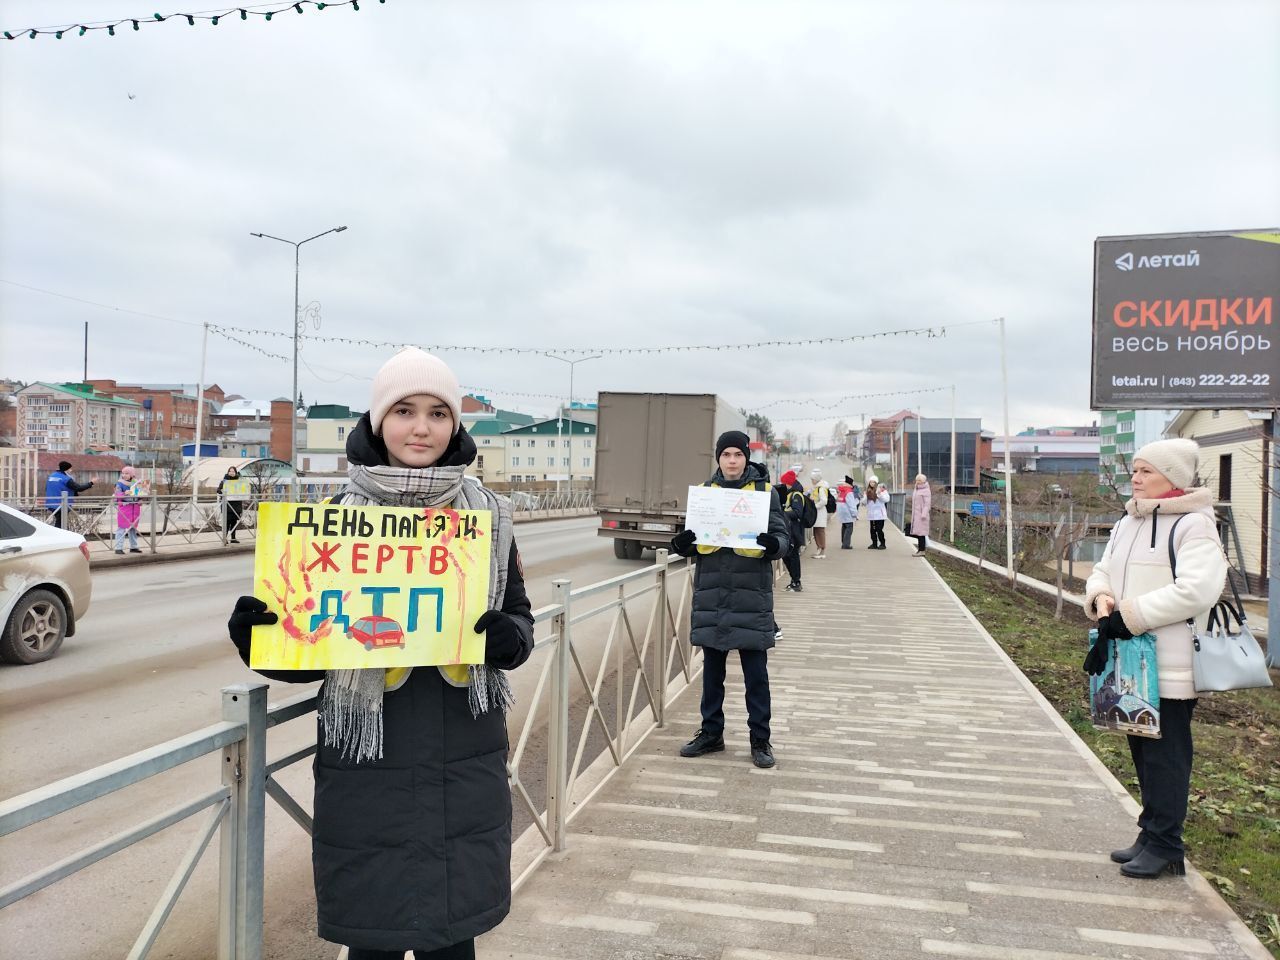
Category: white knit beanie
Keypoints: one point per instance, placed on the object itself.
(409, 372)
(1176, 459)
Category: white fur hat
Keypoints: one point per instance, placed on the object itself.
(1176, 459)
(409, 372)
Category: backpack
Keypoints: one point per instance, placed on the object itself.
(831, 502)
(809, 514)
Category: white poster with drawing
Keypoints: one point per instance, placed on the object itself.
(723, 517)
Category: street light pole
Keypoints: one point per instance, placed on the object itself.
(297, 330)
(572, 364)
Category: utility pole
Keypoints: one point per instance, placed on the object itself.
(953, 463)
(1273, 552)
(195, 462)
(1008, 471)
(297, 331)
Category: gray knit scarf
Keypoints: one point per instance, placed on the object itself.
(352, 707)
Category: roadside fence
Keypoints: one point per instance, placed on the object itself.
(168, 520)
(644, 663)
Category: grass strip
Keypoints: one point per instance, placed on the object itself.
(1233, 827)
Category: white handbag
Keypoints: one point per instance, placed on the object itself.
(1224, 659)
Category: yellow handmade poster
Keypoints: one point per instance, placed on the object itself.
(368, 586)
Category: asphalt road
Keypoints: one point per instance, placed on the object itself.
(147, 665)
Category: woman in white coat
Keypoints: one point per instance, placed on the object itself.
(1132, 590)
(877, 500)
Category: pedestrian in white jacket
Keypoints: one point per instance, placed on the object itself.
(819, 493)
(846, 511)
(876, 499)
(1132, 590)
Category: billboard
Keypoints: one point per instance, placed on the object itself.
(1187, 320)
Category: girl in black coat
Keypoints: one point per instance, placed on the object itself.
(411, 846)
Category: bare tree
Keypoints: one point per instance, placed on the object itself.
(262, 476)
(1067, 532)
(839, 432)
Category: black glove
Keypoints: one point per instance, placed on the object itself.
(1095, 660)
(250, 612)
(682, 541)
(1116, 629)
(503, 639)
(769, 542)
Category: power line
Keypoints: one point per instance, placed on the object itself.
(214, 17)
(927, 332)
(104, 306)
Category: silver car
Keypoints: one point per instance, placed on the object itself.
(44, 586)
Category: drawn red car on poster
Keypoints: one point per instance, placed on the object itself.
(376, 632)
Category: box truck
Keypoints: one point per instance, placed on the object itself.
(650, 448)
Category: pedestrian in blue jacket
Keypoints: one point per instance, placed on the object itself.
(59, 482)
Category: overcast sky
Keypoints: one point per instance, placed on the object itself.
(609, 174)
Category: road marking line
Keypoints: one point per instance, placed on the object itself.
(812, 894)
(1125, 938)
(588, 921)
(672, 812)
(729, 853)
(928, 827)
(713, 908)
(988, 952)
(902, 802)
(821, 842)
(1037, 852)
(1078, 896)
(677, 791)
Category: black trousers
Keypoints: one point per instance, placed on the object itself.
(755, 676)
(466, 950)
(55, 518)
(1164, 776)
(792, 562)
(920, 543)
(877, 533)
(846, 534)
(234, 509)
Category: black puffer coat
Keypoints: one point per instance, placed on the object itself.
(732, 593)
(413, 851)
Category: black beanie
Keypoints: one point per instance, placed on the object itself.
(733, 438)
(64, 465)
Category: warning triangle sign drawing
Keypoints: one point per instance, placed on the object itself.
(741, 508)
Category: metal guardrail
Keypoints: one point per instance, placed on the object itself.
(647, 611)
(176, 519)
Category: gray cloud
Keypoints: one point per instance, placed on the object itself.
(624, 174)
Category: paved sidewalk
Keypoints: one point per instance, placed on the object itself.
(926, 802)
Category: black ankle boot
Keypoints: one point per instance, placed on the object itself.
(701, 743)
(1149, 865)
(1128, 853)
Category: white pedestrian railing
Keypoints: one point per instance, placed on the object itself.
(643, 617)
(168, 520)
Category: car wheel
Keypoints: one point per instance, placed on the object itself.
(635, 549)
(620, 548)
(36, 628)
(368, 644)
